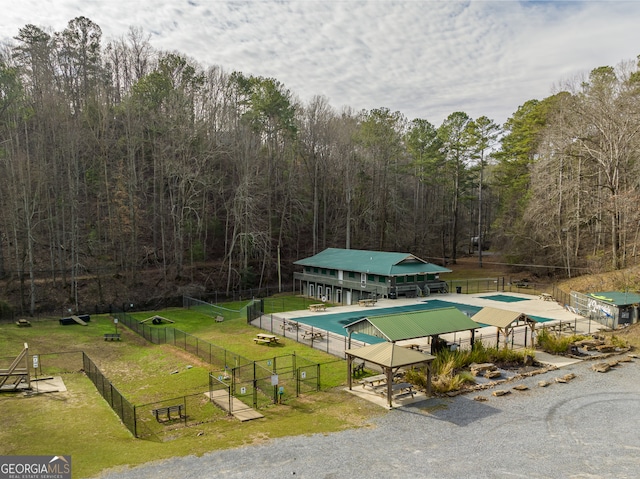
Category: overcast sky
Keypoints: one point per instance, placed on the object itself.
(425, 59)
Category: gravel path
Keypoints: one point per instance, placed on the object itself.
(587, 428)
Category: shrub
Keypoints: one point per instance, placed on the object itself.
(555, 344)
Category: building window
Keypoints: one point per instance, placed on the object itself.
(371, 277)
(352, 274)
(315, 270)
(332, 272)
(382, 279)
(324, 271)
(421, 277)
(400, 279)
(411, 279)
(307, 269)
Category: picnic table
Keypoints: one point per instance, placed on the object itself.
(403, 389)
(366, 302)
(313, 335)
(374, 381)
(562, 328)
(23, 322)
(264, 338)
(412, 346)
(546, 297)
(317, 307)
(289, 326)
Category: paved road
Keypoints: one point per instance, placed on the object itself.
(587, 428)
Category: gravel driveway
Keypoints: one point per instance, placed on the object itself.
(586, 428)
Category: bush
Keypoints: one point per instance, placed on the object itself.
(555, 344)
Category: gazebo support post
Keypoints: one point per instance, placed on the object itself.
(389, 372)
(349, 364)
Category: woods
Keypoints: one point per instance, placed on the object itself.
(116, 158)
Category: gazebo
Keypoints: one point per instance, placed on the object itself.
(390, 357)
(414, 324)
(504, 321)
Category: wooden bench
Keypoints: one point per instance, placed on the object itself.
(163, 414)
(358, 369)
(261, 341)
(112, 337)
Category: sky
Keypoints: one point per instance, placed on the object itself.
(425, 59)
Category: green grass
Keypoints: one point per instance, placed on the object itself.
(80, 423)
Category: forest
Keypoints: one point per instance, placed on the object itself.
(119, 161)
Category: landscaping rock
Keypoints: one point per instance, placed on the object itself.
(601, 367)
(500, 392)
(478, 369)
(480, 398)
(521, 387)
(543, 384)
(492, 374)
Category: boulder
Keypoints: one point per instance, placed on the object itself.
(601, 367)
(477, 369)
(500, 392)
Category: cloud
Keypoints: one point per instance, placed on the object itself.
(425, 59)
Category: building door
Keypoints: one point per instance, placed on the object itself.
(319, 291)
(348, 297)
(340, 275)
(363, 280)
(311, 290)
(327, 294)
(339, 296)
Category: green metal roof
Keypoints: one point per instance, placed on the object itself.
(373, 262)
(416, 324)
(616, 298)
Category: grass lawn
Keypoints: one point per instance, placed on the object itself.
(81, 424)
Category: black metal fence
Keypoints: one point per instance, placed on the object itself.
(122, 407)
(253, 383)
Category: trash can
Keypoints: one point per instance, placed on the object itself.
(459, 289)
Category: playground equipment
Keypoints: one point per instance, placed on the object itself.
(17, 373)
(156, 320)
(82, 320)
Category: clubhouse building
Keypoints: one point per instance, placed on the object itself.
(346, 276)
